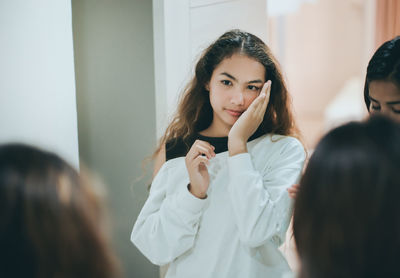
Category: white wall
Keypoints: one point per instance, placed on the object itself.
(37, 83)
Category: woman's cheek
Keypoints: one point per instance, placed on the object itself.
(250, 100)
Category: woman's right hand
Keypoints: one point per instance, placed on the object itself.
(196, 162)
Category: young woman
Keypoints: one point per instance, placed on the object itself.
(218, 207)
(346, 219)
(51, 219)
(382, 83)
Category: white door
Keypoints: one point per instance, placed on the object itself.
(182, 29)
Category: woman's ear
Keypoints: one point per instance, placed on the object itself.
(207, 86)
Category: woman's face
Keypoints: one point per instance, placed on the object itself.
(233, 86)
(385, 99)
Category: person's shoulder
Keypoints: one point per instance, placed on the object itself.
(278, 140)
(172, 160)
(276, 144)
(170, 171)
(287, 140)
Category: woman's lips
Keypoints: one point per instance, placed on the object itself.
(234, 113)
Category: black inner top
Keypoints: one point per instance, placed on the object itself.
(179, 147)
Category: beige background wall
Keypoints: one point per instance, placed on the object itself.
(324, 46)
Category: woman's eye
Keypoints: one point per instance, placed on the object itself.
(396, 111)
(376, 108)
(253, 88)
(226, 82)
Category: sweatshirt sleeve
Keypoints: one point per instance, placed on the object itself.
(260, 201)
(167, 224)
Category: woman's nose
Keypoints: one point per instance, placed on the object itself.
(385, 110)
(237, 98)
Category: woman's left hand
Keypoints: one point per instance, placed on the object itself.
(293, 190)
(248, 122)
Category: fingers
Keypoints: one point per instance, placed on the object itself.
(200, 160)
(293, 190)
(292, 195)
(264, 95)
(200, 148)
(205, 148)
(256, 105)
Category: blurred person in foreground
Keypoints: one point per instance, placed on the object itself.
(346, 218)
(52, 223)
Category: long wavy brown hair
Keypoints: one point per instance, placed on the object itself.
(195, 113)
(52, 219)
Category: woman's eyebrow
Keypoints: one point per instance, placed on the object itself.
(233, 78)
(255, 81)
(393, 102)
(388, 103)
(374, 100)
(228, 75)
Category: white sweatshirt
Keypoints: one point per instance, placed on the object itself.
(237, 229)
